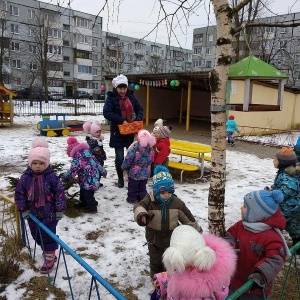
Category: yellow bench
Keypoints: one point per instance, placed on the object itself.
(182, 166)
(207, 157)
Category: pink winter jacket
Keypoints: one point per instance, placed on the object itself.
(194, 284)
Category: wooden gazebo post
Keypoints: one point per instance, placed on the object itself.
(147, 105)
(188, 106)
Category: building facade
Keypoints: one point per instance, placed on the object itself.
(45, 44)
(278, 46)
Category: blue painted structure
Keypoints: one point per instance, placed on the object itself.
(53, 127)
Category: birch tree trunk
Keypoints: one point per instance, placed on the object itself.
(218, 80)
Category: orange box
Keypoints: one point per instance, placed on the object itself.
(129, 128)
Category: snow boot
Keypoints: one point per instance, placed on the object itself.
(48, 265)
(120, 178)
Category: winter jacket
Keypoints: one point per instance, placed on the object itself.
(112, 112)
(96, 148)
(231, 126)
(86, 167)
(138, 162)
(258, 252)
(297, 149)
(194, 283)
(161, 150)
(159, 231)
(288, 181)
(55, 200)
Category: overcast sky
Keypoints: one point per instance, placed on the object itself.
(136, 18)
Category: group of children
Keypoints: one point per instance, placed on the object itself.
(184, 264)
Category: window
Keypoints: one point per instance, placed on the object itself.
(66, 43)
(95, 85)
(16, 63)
(283, 30)
(55, 82)
(54, 49)
(67, 73)
(14, 28)
(85, 39)
(95, 72)
(198, 38)
(85, 84)
(210, 37)
(49, 17)
(54, 66)
(94, 42)
(66, 27)
(81, 22)
(66, 58)
(197, 63)
(208, 64)
(129, 46)
(32, 49)
(83, 54)
(208, 51)
(198, 50)
(283, 45)
(33, 66)
(31, 14)
(96, 29)
(84, 69)
(30, 31)
(15, 46)
(14, 10)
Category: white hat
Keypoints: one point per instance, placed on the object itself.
(188, 248)
(120, 79)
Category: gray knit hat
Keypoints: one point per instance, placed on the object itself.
(286, 157)
(164, 131)
(262, 204)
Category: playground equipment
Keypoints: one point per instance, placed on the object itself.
(53, 127)
(6, 105)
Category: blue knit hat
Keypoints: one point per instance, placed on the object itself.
(162, 180)
(262, 204)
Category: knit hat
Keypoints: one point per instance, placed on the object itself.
(231, 117)
(74, 146)
(120, 79)
(286, 157)
(187, 248)
(159, 123)
(39, 152)
(262, 204)
(164, 131)
(91, 128)
(145, 138)
(162, 180)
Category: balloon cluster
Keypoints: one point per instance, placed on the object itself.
(135, 86)
(174, 83)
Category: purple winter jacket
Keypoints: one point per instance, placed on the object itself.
(54, 194)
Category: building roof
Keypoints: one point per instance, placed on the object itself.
(253, 67)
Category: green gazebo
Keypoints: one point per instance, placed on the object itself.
(250, 69)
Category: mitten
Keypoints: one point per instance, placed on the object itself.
(258, 281)
(59, 215)
(25, 214)
(148, 219)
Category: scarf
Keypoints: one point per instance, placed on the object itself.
(99, 140)
(127, 109)
(36, 191)
(164, 205)
(260, 227)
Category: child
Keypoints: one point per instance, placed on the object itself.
(231, 127)
(89, 172)
(40, 192)
(288, 181)
(198, 267)
(138, 164)
(161, 211)
(95, 141)
(162, 147)
(297, 149)
(259, 243)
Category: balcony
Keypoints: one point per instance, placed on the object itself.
(112, 47)
(155, 55)
(139, 52)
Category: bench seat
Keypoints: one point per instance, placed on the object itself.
(207, 157)
(182, 166)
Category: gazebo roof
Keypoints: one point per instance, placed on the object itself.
(253, 67)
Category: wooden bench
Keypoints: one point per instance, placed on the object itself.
(182, 166)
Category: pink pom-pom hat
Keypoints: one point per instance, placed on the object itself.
(91, 128)
(39, 151)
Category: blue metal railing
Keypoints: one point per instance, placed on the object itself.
(95, 277)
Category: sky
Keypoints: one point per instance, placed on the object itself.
(138, 18)
(121, 254)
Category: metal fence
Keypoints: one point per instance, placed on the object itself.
(73, 107)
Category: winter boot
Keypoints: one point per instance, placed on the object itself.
(48, 265)
(120, 178)
(295, 241)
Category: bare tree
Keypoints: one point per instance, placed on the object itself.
(4, 49)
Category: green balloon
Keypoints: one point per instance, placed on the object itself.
(177, 82)
(172, 83)
(137, 87)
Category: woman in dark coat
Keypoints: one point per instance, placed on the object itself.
(121, 107)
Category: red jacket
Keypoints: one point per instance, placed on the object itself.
(262, 252)
(161, 150)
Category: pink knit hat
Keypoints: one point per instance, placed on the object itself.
(91, 128)
(74, 146)
(39, 152)
(145, 138)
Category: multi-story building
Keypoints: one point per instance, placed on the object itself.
(278, 46)
(66, 50)
(131, 55)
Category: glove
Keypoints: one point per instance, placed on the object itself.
(25, 214)
(258, 281)
(148, 219)
(59, 215)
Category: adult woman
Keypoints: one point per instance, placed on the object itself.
(121, 107)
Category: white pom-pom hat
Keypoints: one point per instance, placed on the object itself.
(120, 79)
(187, 249)
(39, 152)
(91, 128)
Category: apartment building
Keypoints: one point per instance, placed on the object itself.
(45, 44)
(278, 46)
(133, 56)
